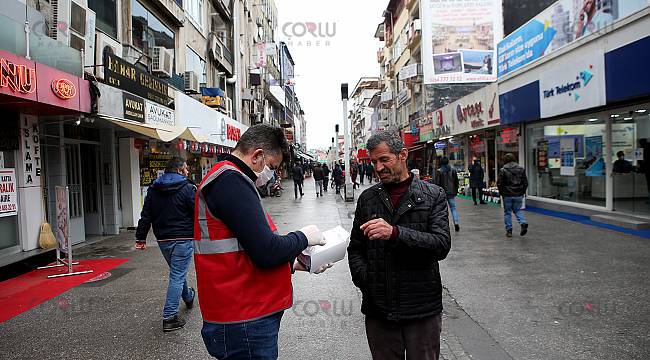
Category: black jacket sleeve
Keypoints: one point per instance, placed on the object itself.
(437, 239)
(233, 200)
(357, 253)
(501, 181)
(144, 224)
(190, 198)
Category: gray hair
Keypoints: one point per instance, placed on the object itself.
(174, 164)
(391, 138)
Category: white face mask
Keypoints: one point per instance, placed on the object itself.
(264, 176)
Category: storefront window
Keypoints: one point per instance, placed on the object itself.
(631, 159)
(148, 31)
(456, 153)
(507, 142)
(566, 161)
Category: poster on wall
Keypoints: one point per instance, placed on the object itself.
(459, 40)
(8, 198)
(561, 23)
(62, 231)
(568, 156)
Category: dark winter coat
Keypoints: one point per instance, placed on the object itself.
(297, 173)
(338, 175)
(400, 279)
(512, 180)
(476, 176)
(447, 179)
(318, 174)
(169, 209)
(326, 171)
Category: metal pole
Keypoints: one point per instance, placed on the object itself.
(348, 190)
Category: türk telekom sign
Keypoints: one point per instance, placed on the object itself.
(32, 81)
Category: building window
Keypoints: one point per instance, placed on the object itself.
(106, 11)
(193, 62)
(194, 11)
(148, 31)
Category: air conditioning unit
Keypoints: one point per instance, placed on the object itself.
(162, 63)
(104, 44)
(73, 24)
(192, 82)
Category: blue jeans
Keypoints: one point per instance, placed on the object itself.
(452, 206)
(178, 255)
(513, 204)
(257, 339)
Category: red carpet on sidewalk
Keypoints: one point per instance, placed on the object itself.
(29, 290)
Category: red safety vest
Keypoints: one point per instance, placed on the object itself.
(231, 287)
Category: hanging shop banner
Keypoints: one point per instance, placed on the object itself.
(133, 107)
(30, 151)
(560, 24)
(8, 198)
(120, 74)
(62, 231)
(568, 156)
(574, 83)
(158, 115)
(459, 40)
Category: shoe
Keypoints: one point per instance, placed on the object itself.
(524, 229)
(509, 233)
(190, 304)
(173, 323)
(483, 203)
(475, 204)
(457, 227)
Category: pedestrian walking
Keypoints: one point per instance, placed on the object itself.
(338, 177)
(243, 268)
(354, 173)
(298, 176)
(169, 209)
(370, 172)
(476, 180)
(394, 250)
(447, 178)
(362, 172)
(319, 178)
(512, 184)
(326, 176)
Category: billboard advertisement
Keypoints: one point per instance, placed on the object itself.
(560, 24)
(459, 40)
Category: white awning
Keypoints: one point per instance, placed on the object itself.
(195, 134)
(160, 132)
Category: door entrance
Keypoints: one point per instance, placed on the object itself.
(74, 183)
(91, 189)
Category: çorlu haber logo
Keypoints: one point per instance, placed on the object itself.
(582, 79)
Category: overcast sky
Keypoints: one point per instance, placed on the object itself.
(320, 70)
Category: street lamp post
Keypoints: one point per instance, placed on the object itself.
(348, 189)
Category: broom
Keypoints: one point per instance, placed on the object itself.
(46, 239)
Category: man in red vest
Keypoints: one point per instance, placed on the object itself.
(243, 267)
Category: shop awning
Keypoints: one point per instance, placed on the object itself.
(305, 156)
(416, 148)
(160, 132)
(194, 134)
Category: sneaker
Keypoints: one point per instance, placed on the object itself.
(173, 323)
(524, 229)
(190, 304)
(456, 227)
(509, 233)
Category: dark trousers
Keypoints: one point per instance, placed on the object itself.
(480, 194)
(325, 182)
(419, 338)
(257, 339)
(362, 175)
(370, 178)
(297, 185)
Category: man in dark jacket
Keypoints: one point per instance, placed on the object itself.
(369, 172)
(298, 176)
(318, 178)
(476, 177)
(338, 177)
(447, 178)
(169, 209)
(362, 172)
(326, 176)
(512, 184)
(400, 232)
